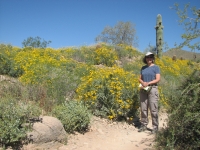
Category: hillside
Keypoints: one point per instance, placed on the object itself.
(182, 53)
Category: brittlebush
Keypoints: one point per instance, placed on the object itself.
(109, 92)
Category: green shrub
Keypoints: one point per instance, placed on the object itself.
(127, 51)
(183, 128)
(132, 66)
(80, 54)
(8, 67)
(64, 82)
(13, 116)
(73, 115)
(12, 88)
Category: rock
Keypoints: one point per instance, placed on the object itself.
(50, 129)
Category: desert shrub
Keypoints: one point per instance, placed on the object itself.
(31, 93)
(76, 53)
(4, 64)
(43, 66)
(132, 66)
(73, 115)
(194, 65)
(7, 63)
(168, 87)
(101, 53)
(13, 116)
(50, 76)
(62, 83)
(88, 54)
(37, 64)
(173, 74)
(80, 54)
(109, 92)
(105, 55)
(39, 94)
(8, 88)
(128, 51)
(183, 130)
(173, 68)
(8, 67)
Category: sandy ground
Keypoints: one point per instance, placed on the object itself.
(105, 135)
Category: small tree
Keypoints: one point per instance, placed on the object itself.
(189, 17)
(35, 42)
(121, 33)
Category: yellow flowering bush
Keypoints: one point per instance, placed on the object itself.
(109, 92)
(174, 68)
(38, 63)
(82, 54)
(127, 51)
(163, 98)
(172, 72)
(67, 52)
(105, 55)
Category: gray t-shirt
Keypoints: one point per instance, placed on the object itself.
(149, 72)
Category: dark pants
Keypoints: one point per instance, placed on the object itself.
(149, 100)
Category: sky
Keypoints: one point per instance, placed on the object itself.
(68, 23)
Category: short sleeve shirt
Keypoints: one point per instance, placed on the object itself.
(149, 72)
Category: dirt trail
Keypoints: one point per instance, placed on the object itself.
(104, 135)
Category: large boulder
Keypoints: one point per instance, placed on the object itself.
(48, 130)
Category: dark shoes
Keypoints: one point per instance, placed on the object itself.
(154, 131)
(142, 128)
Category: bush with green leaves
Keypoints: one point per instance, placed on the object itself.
(127, 51)
(13, 116)
(7, 62)
(73, 115)
(63, 82)
(183, 127)
(8, 67)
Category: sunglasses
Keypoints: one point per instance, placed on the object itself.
(149, 57)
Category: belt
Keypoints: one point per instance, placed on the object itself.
(153, 85)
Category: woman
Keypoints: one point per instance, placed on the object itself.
(149, 77)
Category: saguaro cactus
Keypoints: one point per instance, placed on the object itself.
(159, 35)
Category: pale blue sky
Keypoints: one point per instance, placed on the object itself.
(78, 22)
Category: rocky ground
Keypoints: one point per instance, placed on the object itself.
(105, 135)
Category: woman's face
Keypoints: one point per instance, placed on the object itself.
(149, 59)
